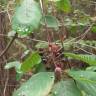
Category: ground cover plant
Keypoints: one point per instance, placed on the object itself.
(55, 42)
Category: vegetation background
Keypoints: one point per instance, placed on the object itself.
(69, 25)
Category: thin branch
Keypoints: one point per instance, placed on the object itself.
(82, 36)
(27, 38)
(86, 32)
(36, 40)
(6, 85)
(86, 45)
(85, 51)
(8, 12)
(9, 45)
(4, 35)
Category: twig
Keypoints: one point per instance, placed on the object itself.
(85, 51)
(36, 40)
(6, 86)
(85, 45)
(3, 35)
(81, 36)
(27, 38)
(9, 45)
(8, 12)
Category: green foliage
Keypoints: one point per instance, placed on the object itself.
(77, 22)
(91, 68)
(88, 43)
(42, 45)
(64, 5)
(26, 20)
(94, 29)
(15, 64)
(40, 68)
(66, 88)
(3, 4)
(38, 85)
(18, 2)
(51, 21)
(19, 76)
(85, 80)
(83, 75)
(27, 17)
(90, 59)
(31, 61)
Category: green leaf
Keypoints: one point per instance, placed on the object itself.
(54, 0)
(91, 68)
(18, 2)
(38, 85)
(15, 64)
(51, 21)
(94, 29)
(66, 88)
(42, 45)
(27, 17)
(3, 4)
(83, 75)
(85, 80)
(31, 61)
(40, 68)
(64, 5)
(19, 76)
(90, 59)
